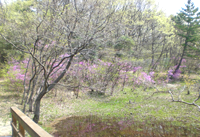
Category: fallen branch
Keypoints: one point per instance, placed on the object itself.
(193, 103)
(157, 91)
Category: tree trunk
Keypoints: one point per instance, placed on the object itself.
(46, 90)
(31, 105)
(188, 92)
(179, 64)
(155, 64)
(24, 83)
(37, 106)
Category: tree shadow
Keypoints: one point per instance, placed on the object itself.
(87, 126)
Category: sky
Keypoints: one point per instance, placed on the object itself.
(174, 6)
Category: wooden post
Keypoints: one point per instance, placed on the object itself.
(14, 123)
(21, 130)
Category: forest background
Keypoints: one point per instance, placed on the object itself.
(116, 57)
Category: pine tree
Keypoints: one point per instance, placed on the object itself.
(187, 23)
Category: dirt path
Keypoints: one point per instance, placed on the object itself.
(7, 100)
(5, 128)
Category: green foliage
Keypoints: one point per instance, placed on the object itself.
(124, 46)
(4, 50)
(124, 43)
(21, 13)
(188, 25)
(3, 70)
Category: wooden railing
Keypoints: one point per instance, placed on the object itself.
(25, 124)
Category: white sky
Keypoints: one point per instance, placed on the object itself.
(174, 6)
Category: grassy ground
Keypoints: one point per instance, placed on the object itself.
(147, 112)
(7, 99)
(143, 108)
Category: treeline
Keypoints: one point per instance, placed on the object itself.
(139, 32)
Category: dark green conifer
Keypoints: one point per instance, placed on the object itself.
(187, 23)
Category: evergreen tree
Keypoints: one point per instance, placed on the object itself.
(187, 23)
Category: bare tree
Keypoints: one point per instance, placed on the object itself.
(56, 32)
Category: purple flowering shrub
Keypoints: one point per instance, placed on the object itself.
(144, 79)
(15, 74)
(100, 76)
(172, 74)
(103, 76)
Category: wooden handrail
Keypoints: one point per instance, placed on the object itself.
(25, 124)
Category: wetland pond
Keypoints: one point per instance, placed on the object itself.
(93, 126)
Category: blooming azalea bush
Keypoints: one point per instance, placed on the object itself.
(103, 76)
(15, 74)
(144, 79)
(100, 76)
(172, 74)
